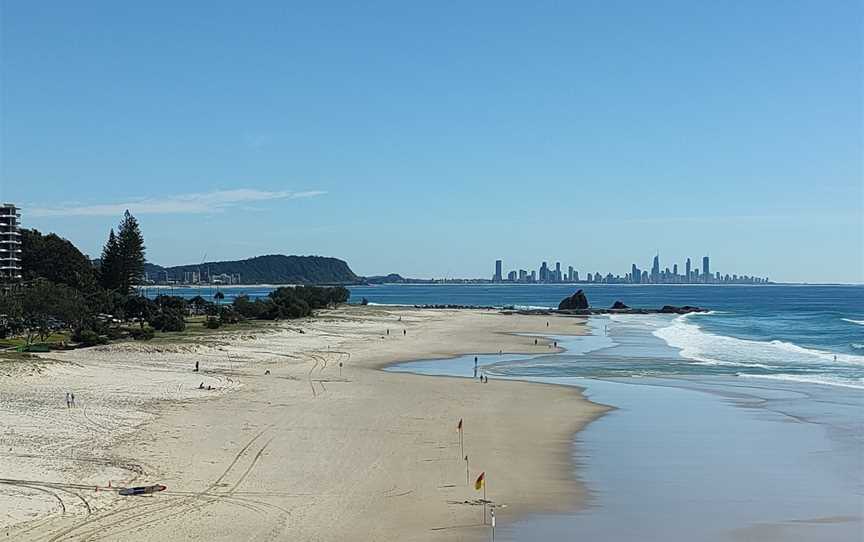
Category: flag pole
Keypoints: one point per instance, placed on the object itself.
(484, 500)
(467, 475)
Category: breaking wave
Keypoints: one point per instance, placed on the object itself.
(699, 345)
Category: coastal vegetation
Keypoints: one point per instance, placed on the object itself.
(66, 300)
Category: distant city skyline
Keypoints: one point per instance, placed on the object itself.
(656, 275)
(430, 140)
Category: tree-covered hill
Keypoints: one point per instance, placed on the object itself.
(271, 269)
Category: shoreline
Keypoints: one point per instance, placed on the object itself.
(821, 419)
(399, 429)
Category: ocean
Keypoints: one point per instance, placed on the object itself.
(802, 333)
(745, 423)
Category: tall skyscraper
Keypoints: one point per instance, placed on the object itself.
(706, 268)
(544, 273)
(687, 269)
(497, 277)
(10, 243)
(557, 271)
(655, 270)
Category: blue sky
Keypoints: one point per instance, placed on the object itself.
(430, 139)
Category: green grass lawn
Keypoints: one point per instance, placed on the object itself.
(195, 329)
(54, 338)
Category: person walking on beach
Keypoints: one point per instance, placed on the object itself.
(196, 366)
(388, 332)
(404, 332)
(68, 401)
(72, 396)
(475, 366)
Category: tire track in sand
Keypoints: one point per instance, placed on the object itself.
(97, 523)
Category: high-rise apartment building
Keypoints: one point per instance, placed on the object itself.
(497, 277)
(10, 243)
(655, 269)
(706, 268)
(544, 273)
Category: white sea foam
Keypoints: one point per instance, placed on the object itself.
(737, 364)
(851, 321)
(706, 347)
(829, 380)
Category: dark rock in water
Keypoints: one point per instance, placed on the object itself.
(619, 306)
(575, 301)
(672, 309)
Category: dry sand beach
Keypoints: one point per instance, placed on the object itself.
(310, 451)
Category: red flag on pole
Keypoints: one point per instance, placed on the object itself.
(481, 480)
(459, 427)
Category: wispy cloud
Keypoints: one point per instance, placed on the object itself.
(202, 203)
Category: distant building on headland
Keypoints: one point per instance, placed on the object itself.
(10, 243)
(191, 278)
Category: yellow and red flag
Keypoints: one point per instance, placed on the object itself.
(459, 427)
(481, 480)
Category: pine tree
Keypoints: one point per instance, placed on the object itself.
(130, 245)
(109, 272)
